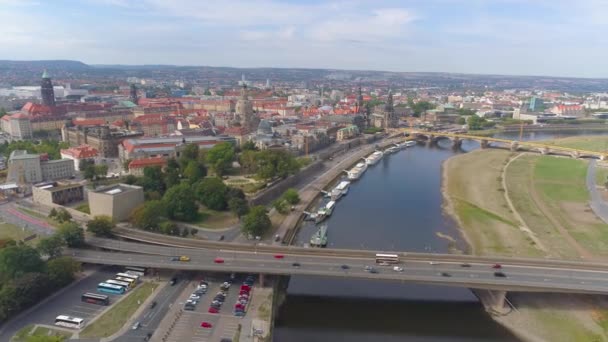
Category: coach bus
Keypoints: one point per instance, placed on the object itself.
(129, 281)
(140, 271)
(110, 288)
(128, 275)
(94, 298)
(387, 259)
(118, 283)
(69, 322)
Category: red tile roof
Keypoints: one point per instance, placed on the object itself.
(80, 152)
(139, 163)
(88, 122)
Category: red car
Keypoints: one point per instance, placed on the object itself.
(497, 266)
(279, 256)
(206, 325)
(213, 310)
(244, 293)
(245, 288)
(239, 306)
(218, 260)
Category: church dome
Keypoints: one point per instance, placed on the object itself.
(264, 127)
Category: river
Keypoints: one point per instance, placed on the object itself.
(396, 205)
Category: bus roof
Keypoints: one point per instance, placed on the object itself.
(68, 318)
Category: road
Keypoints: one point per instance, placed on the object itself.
(10, 214)
(480, 275)
(151, 318)
(67, 302)
(597, 203)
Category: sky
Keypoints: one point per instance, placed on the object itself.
(511, 37)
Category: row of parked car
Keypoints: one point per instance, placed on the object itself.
(244, 294)
(220, 297)
(195, 297)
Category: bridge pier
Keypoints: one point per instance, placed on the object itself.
(493, 301)
(261, 279)
(514, 146)
(574, 155)
(456, 143)
(543, 150)
(485, 143)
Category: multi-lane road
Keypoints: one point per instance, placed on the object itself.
(520, 276)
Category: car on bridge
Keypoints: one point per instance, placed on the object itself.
(218, 260)
(279, 256)
(500, 274)
(184, 258)
(497, 266)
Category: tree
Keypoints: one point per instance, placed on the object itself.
(257, 221)
(190, 152)
(212, 193)
(148, 215)
(281, 206)
(2, 111)
(171, 178)
(53, 213)
(466, 111)
(220, 157)
(249, 146)
(461, 121)
(194, 172)
(51, 246)
(291, 196)
(169, 228)
(72, 234)
(131, 179)
(125, 164)
(153, 180)
(61, 270)
(235, 193)
(63, 215)
(238, 206)
(101, 226)
(273, 163)
(180, 203)
(101, 171)
(248, 160)
(18, 260)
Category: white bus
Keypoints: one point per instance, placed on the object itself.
(129, 281)
(387, 259)
(128, 275)
(117, 283)
(140, 271)
(69, 322)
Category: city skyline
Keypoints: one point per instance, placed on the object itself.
(509, 37)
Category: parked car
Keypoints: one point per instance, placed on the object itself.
(497, 266)
(173, 281)
(136, 326)
(213, 310)
(206, 325)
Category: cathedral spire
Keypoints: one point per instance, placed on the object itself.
(46, 90)
(389, 102)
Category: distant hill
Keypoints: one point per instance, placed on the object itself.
(47, 64)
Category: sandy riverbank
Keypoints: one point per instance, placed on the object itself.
(482, 189)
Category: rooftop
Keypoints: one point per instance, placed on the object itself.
(117, 189)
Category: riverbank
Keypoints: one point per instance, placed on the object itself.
(531, 206)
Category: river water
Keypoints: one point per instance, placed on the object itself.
(395, 205)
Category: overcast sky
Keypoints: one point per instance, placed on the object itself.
(525, 37)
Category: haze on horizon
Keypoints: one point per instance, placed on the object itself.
(510, 37)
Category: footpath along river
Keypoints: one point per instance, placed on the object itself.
(395, 205)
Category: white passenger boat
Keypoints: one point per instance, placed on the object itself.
(339, 191)
(374, 158)
(357, 171)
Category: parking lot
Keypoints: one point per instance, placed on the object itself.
(221, 325)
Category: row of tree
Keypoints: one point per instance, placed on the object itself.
(26, 277)
(51, 147)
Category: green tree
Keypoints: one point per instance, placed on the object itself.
(18, 260)
(101, 171)
(461, 121)
(420, 107)
(220, 157)
(194, 172)
(171, 178)
(235, 193)
(2, 111)
(275, 163)
(238, 206)
(63, 216)
(249, 145)
(53, 213)
(125, 164)
(61, 270)
(190, 152)
(181, 203)
(281, 206)
(131, 179)
(291, 196)
(169, 228)
(72, 234)
(466, 111)
(211, 192)
(248, 160)
(51, 246)
(153, 180)
(256, 222)
(148, 215)
(101, 225)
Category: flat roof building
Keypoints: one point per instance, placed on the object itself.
(116, 201)
(54, 193)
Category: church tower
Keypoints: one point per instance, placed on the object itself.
(46, 90)
(390, 119)
(133, 93)
(244, 110)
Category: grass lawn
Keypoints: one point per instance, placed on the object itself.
(561, 327)
(601, 175)
(589, 142)
(10, 231)
(22, 334)
(213, 219)
(548, 168)
(84, 207)
(117, 316)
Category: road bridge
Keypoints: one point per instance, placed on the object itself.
(521, 275)
(513, 145)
